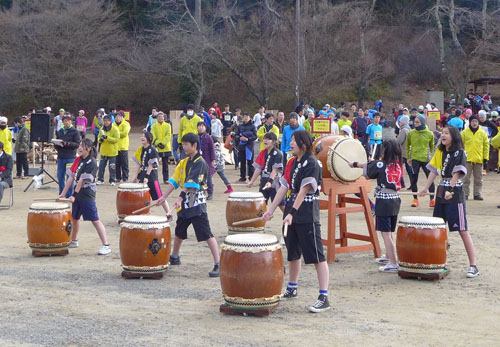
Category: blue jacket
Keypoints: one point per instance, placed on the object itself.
(287, 137)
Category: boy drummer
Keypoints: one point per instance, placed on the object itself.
(191, 176)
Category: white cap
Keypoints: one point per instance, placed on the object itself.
(482, 113)
(48, 109)
(3, 119)
(421, 108)
(347, 129)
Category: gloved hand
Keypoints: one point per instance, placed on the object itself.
(161, 146)
(103, 137)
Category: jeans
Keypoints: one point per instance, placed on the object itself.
(122, 166)
(244, 163)
(175, 147)
(22, 163)
(416, 165)
(102, 167)
(235, 156)
(61, 174)
(210, 185)
(223, 177)
(3, 186)
(182, 155)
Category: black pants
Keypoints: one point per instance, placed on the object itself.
(416, 165)
(244, 163)
(122, 166)
(112, 168)
(22, 163)
(164, 165)
(409, 171)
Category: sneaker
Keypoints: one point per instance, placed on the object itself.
(382, 260)
(472, 272)
(415, 203)
(175, 260)
(73, 244)
(229, 189)
(215, 271)
(389, 268)
(290, 293)
(432, 203)
(478, 197)
(498, 206)
(242, 180)
(113, 184)
(104, 250)
(99, 182)
(210, 197)
(321, 304)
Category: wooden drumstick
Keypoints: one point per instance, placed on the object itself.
(374, 151)
(285, 231)
(153, 204)
(52, 199)
(245, 221)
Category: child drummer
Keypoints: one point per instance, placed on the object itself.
(302, 178)
(191, 176)
(388, 173)
(449, 162)
(268, 165)
(146, 158)
(83, 172)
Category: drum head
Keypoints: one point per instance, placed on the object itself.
(350, 149)
(422, 222)
(251, 239)
(132, 186)
(49, 206)
(246, 195)
(145, 222)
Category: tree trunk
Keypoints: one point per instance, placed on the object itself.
(483, 19)
(298, 27)
(363, 79)
(197, 11)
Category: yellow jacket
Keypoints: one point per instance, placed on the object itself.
(162, 133)
(109, 146)
(263, 131)
(124, 129)
(6, 139)
(495, 142)
(476, 145)
(187, 126)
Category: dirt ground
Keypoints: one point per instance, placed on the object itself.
(82, 300)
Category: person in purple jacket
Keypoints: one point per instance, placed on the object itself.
(207, 151)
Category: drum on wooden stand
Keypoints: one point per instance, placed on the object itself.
(131, 197)
(320, 148)
(145, 245)
(251, 271)
(49, 228)
(242, 206)
(421, 246)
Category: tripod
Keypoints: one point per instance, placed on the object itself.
(42, 170)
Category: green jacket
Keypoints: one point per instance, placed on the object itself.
(22, 140)
(418, 145)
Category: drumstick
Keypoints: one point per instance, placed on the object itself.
(251, 220)
(153, 203)
(374, 151)
(52, 199)
(285, 231)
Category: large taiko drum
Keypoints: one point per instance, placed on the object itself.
(320, 148)
(145, 245)
(242, 206)
(49, 228)
(251, 270)
(131, 197)
(421, 245)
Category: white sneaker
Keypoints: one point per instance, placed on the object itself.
(382, 260)
(104, 250)
(99, 182)
(113, 184)
(389, 268)
(73, 244)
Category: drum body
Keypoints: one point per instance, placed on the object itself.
(145, 245)
(421, 244)
(131, 197)
(245, 205)
(350, 149)
(251, 270)
(49, 228)
(320, 148)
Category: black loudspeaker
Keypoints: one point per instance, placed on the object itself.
(42, 129)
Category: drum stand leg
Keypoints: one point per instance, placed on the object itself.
(48, 254)
(260, 312)
(140, 275)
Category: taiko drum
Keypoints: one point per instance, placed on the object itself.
(320, 148)
(145, 245)
(242, 206)
(49, 228)
(251, 270)
(421, 244)
(131, 197)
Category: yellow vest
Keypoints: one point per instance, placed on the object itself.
(124, 129)
(187, 126)
(109, 147)
(6, 139)
(162, 133)
(262, 131)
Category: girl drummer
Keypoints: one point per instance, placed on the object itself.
(302, 178)
(388, 173)
(83, 172)
(268, 165)
(146, 158)
(449, 162)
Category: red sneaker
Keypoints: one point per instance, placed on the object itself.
(229, 189)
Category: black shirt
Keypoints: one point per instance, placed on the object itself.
(267, 162)
(388, 178)
(84, 169)
(446, 164)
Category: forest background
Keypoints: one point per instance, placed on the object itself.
(168, 53)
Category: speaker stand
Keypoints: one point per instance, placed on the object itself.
(42, 170)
